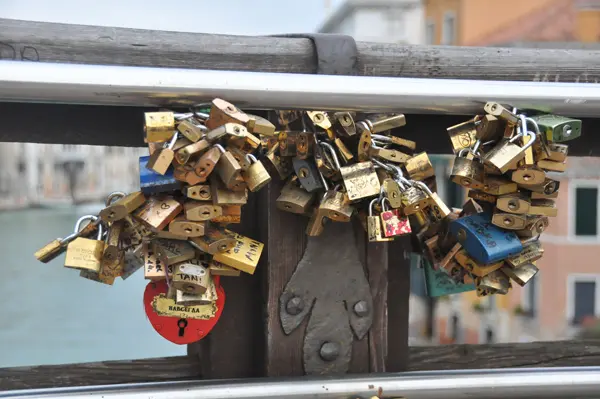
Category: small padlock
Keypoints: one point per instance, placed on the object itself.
(228, 168)
(558, 129)
(531, 252)
(496, 281)
(219, 269)
(558, 152)
(489, 128)
(184, 154)
(230, 214)
(552, 166)
(227, 130)
(222, 112)
(320, 119)
(475, 268)
(188, 228)
(463, 135)
(207, 162)
(374, 230)
(388, 154)
(113, 256)
(439, 283)
(345, 121)
(122, 207)
(392, 191)
(158, 126)
(191, 277)
(467, 172)
(191, 131)
(154, 269)
(58, 246)
(243, 256)
(171, 252)
(215, 239)
(259, 125)
(294, 199)
(305, 145)
(256, 176)
(509, 221)
(385, 123)
(528, 175)
(522, 274)
(496, 185)
(536, 225)
(499, 111)
(282, 166)
(152, 182)
(547, 187)
(416, 198)
(392, 223)
(200, 192)
(84, 253)
(199, 211)
(419, 167)
(360, 180)
(365, 142)
(308, 174)
(336, 206)
(517, 203)
(161, 159)
(483, 241)
(505, 155)
(132, 262)
(543, 207)
(158, 212)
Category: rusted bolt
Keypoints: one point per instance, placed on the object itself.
(329, 351)
(294, 305)
(361, 309)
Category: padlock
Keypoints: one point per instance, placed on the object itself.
(215, 239)
(483, 241)
(230, 214)
(219, 269)
(558, 152)
(207, 162)
(531, 252)
(159, 126)
(160, 161)
(188, 228)
(171, 252)
(158, 212)
(256, 176)
(294, 199)
(552, 166)
(152, 182)
(392, 223)
(384, 123)
(392, 191)
(58, 246)
(240, 156)
(84, 253)
(191, 131)
(528, 175)
(288, 144)
(308, 175)
(320, 119)
(517, 203)
(336, 206)
(345, 121)
(243, 256)
(154, 269)
(360, 180)
(475, 268)
(439, 283)
(547, 187)
(417, 197)
(509, 221)
(222, 196)
(419, 167)
(305, 145)
(543, 207)
(259, 125)
(480, 196)
(226, 131)
(463, 135)
(374, 230)
(500, 112)
(187, 174)
(183, 155)
(365, 142)
(122, 207)
(281, 165)
(132, 262)
(436, 210)
(222, 112)
(505, 155)
(201, 211)
(496, 281)
(522, 274)
(113, 256)
(489, 128)
(191, 299)
(228, 168)
(558, 129)
(536, 225)
(180, 324)
(200, 192)
(467, 172)
(191, 277)
(496, 185)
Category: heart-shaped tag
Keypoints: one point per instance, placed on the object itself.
(184, 324)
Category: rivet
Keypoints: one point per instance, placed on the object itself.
(329, 351)
(294, 305)
(361, 309)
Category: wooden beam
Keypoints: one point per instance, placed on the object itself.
(51, 42)
(438, 357)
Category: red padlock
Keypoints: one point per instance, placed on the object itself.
(179, 330)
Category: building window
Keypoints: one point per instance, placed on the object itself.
(582, 297)
(586, 211)
(530, 295)
(430, 32)
(449, 29)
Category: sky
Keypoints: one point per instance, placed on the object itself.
(236, 17)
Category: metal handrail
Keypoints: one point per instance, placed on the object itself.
(571, 382)
(147, 86)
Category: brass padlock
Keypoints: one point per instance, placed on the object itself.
(191, 277)
(467, 172)
(84, 253)
(522, 274)
(505, 155)
(528, 175)
(543, 207)
(256, 176)
(436, 210)
(387, 154)
(288, 143)
(200, 192)
(228, 168)
(159, 126)
(162, 158)
(113, 256)
(535, 226)
(473, 267)
(374, 230)
(360, 180)
(294, 199)
(365, 142)
(187, 174)
(496, 185)
(547, 187)
(281, 165)
(345, 120)
(320, 119)
(489, 128)
(531, 252)
(154, 269)
(259, 125)
(222, 196)
(419, 167)
(552, 166)
(215, 239)
(384, 123)
(207, 162)
(517, 203)
(463, 135)
(392, 191)
(497, 281)
(499, 111)
(336, 206)
(199, 211)
(171, 252)
(122, 207)
(188, 228)
(191, 131)
(243, 256)
(416, 198)
(222, 112)
(58, 246)
(226, 131)
(305, 145)
(509, 221)
(558, 152)
(158, 212)
(183, 155)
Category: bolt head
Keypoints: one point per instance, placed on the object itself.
(361, 308)
(294, 305)
(329, 351)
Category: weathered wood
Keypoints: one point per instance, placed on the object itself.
(535, 354)
(123, 126)
(101, 373)
(439, 357)
(51, 42)
(377, 269)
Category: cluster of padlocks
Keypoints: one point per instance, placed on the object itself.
(336, 166)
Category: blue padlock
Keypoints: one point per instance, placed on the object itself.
(483, 241)
(152, 182)
(439, 283)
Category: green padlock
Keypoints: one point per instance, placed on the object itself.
(439, 283)
(558, 128)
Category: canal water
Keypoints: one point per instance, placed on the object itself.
(50, 315)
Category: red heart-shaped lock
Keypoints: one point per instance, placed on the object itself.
(178, 330)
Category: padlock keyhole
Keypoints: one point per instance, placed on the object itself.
(182, 324)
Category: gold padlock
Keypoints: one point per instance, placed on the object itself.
(171, 252)
(222, 112)
(84, 253)
(200, 192)
(374, 230)
(158, 212)
(467, 172)
(215, 239)
(294, 199)
(243, 256)
(336, 206)
(199, 211)
(191, 277)
(113, 256)
(360, 180)
(419, 167)
(159, 126)
(122, 207)
(183, 155)
(522, 274)
(256, 176)
(161, 159)
(187, 228)
(191, 131)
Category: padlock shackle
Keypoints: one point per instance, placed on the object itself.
(220, 148)
(422, 186)
(331, 150)
(251, 158)
(93, 219)
(526, 131)
(372, 205)
(173, 141)
(114, 196)
(402, 181)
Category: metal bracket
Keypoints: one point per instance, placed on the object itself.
(330, 280)
(336, 54)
